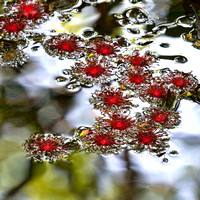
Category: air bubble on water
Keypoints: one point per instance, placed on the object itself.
(66, 72)
(165, 45)
(73, 87)
(35, 48)
(165, 160)
(180, 59)
(137, 15)
(65, 17)
(92, 2)
(173, 153)
(87, 33)
(133, 30)
(186, 22)
(61, 79)
(124, 22)
(118, 16)
(87, 84)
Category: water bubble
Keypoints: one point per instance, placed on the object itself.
(35, 48)
(186, 22)
(173, 153)
(133, 30)
(65, 17)
(160, 154)
(118, 16)
(134, 1)
(87, 84)
(53, 31)
(88, 33)
(137, 15)
(165, 160)
(180, 59)
(61, 79)
(165, 45)
(73, 87)
(124, 22)
(66, 71)
(90, 1)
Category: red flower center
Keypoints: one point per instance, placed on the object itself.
(156, 92)
(105, 49)
(66, 46)
(48, 145)
(179, 81)
(14, 27)
(94, 71)
(120, 124)
(160, 117)
(29, 11)
(137, 79)
(112, 100)
(104, 140)
(146, 140)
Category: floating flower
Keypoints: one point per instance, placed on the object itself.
(179, 81)
(117, 122)
(104, 47)
(111, 99)
(101, 141)
(65, 46)
(155, 92)
(160, 116)
(149, 138)
(46, 147)
(12, 27)
(139, 61)
(135, 78)
(94, 70)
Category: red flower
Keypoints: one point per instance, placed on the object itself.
(134, 79)
(179, 81)
(94, 70)
(139, 61)
(101, 141)
(104, 47)
(12, 27)
(150, 138)
(156, 92)
(65, 46)
(118, 123)
(109, 98)
(160, 116)
(46, 147)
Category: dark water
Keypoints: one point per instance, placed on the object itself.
(39, 94)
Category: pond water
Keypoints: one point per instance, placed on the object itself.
(60, 140)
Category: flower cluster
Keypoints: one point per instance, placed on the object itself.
(20, 17)
(34, 11)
